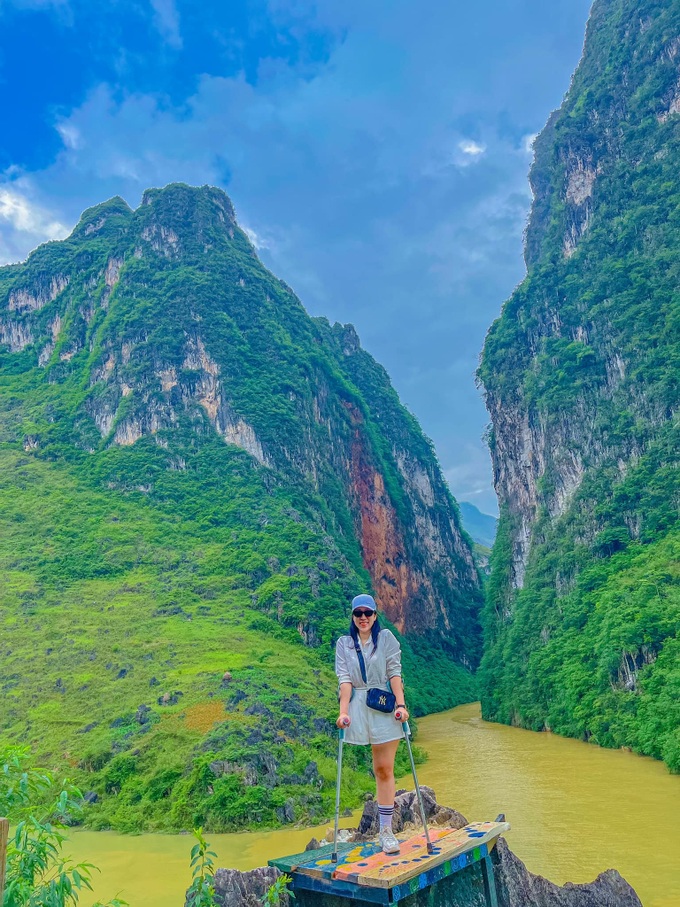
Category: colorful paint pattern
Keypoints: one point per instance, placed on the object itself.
(366, 865)
(385, 870)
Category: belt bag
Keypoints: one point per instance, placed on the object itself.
(380, 700)
(376, 699)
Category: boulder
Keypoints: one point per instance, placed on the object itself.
(407, 812)
(286, 813)
(244, 889)
(142, 715)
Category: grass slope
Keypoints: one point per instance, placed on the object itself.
(113, 600)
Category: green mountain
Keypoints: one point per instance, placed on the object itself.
(581, 378)
(481, 527)
(195, 479)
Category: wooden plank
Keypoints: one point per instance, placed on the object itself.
(432, 876)
(366, 854)
(489, 882)
(399, 868)
(346, 890)
(322, 868)
(288, 864)
(357, 863)
(4, 835)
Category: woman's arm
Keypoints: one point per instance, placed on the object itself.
(345, 695)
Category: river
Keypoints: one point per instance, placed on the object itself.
(575, 811)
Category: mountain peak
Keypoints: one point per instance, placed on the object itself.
(181, 195)
(163, 324)
(179, 219)
(172, 218)
(94, 219)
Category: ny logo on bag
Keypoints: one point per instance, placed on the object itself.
(383, 701)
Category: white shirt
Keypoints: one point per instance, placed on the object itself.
(381, 665)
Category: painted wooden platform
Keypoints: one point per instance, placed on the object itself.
(364, 872)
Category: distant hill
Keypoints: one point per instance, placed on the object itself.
(481, 527)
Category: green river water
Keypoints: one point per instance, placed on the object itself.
(575, 811)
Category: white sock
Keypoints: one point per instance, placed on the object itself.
(385, 813)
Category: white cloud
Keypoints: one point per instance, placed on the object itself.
(256, 240)
(24, 224)
(528, 142)
(70, 136)
(470, 148)
(469, 478)
(166, 20)
(268, 240)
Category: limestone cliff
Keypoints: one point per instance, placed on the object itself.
(169, 319)
(581, 382)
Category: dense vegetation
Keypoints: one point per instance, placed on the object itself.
(170, 606)
(587, 353)
(38, 871)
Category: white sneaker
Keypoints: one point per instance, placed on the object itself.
(388, 842)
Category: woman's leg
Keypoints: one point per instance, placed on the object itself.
(383, 769)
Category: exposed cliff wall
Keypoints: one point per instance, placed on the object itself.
(581, 381)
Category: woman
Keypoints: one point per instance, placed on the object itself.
(382, 664)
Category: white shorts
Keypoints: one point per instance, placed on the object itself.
(369, 726)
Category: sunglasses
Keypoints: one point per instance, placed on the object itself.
(363, 613)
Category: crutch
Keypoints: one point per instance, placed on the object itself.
(407, 735)
(341, 738)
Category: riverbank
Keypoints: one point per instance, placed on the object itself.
(575, 809)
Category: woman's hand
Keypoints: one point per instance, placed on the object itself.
(343, 720)
(401, 714)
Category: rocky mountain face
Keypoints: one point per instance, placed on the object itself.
(173, 320)
(581, 380)
(232, 471)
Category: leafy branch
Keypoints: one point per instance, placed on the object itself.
(202, 891)
(38, 873)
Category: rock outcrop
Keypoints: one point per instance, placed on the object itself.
(517, 887)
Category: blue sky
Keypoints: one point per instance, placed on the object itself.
(376, 150)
